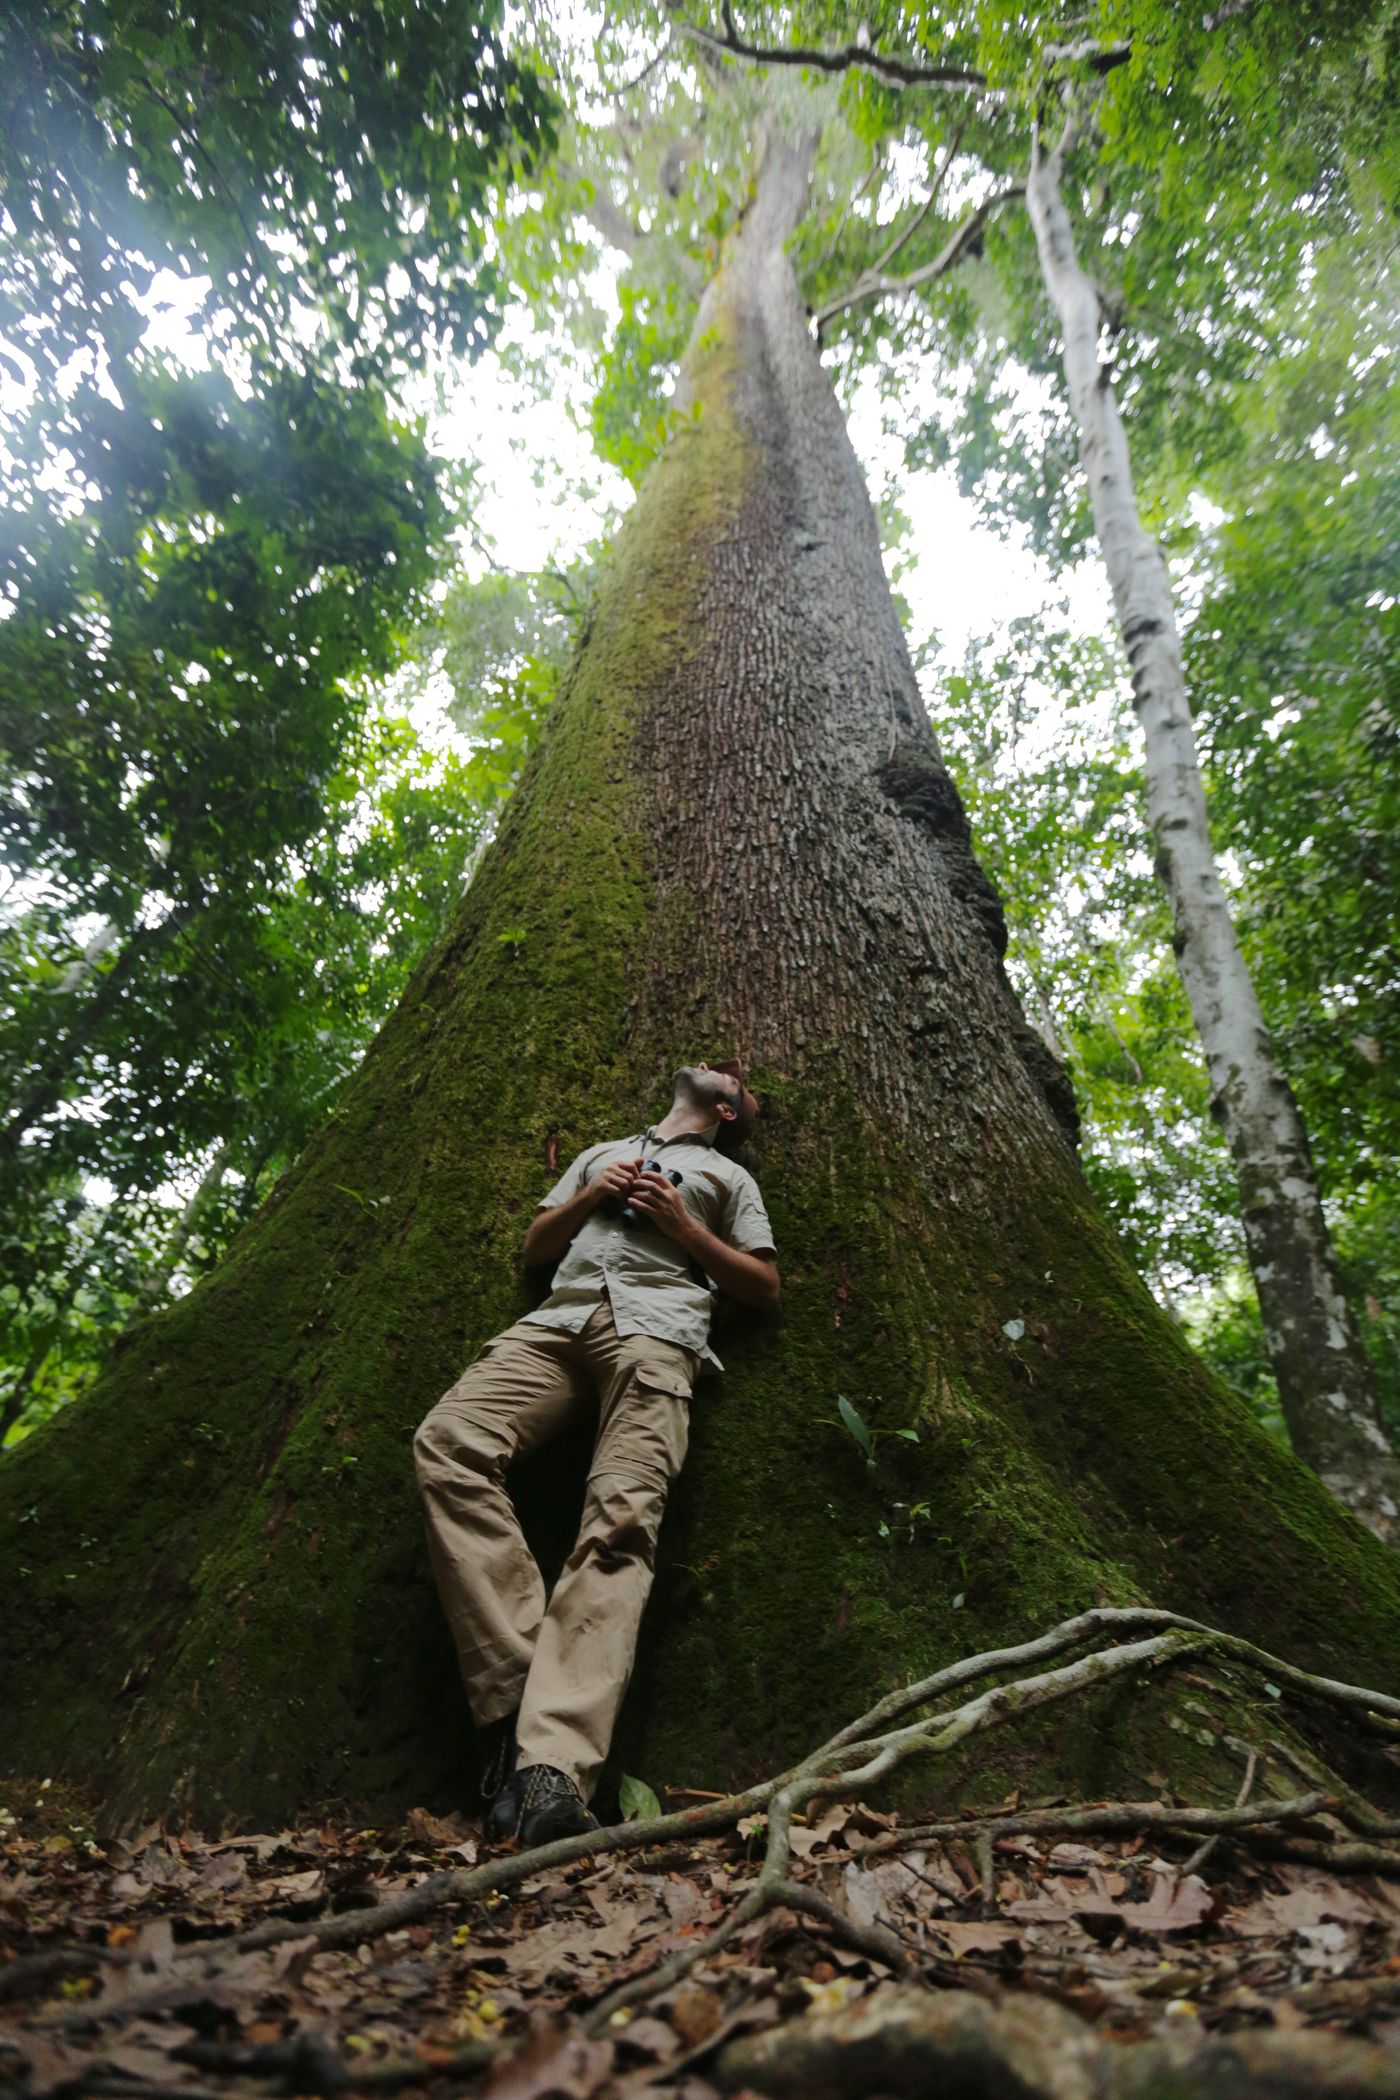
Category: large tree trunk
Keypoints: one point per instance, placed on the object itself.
(736, 836)
(1327, 1389)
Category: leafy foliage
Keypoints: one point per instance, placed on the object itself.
(214, 553)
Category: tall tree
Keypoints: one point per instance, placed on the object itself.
(1325, 1379)
(1327, 1387)
(737, 832)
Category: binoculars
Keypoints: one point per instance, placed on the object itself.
(652, 1166)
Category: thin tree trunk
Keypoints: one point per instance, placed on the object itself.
(155, 1286)
(1326, 1387)
(78, 973)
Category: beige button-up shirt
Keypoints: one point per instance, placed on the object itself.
(653, 1286)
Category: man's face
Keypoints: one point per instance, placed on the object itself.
(711, 1086)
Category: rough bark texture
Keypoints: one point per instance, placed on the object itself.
(736, 835)
(1326, 1386)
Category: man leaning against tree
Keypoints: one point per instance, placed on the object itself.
(645, 1230)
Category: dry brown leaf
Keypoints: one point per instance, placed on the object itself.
(975, 1935)
(1312, 1903)
(421, 1828)
(649, 2038)
(552, 2063)
(695, 2013)
(297, 1887)
(1176, 1904)
(222, 1870)
(683, 1900)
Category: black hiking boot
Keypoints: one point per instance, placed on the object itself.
(502, 1818)
(551, 1807)
(499, 1791)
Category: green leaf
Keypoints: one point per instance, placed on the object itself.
(636, 1800)
(851, 1417)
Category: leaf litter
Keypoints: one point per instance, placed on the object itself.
(101, 1990)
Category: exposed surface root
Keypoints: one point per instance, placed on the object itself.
(917, 2042)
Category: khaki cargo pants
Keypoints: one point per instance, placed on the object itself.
(565, 1667)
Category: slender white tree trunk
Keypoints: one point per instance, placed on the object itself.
(156, 1287)
(1326, 1387)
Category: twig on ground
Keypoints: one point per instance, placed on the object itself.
(1341, 1858)
(875, 1940)
(1203, 1851)
(1104, 1819)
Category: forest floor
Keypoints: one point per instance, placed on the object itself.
(119, 1972)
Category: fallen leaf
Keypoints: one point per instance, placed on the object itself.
(651, 2039)
(1176, 1904)
(421, 1828)
(552, 2063)
(1300, 1908)
(975, 1935)
(695, 2013)
(223, 1870)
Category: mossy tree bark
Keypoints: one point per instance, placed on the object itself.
(737, 835)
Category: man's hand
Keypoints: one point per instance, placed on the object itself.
(552, 1231)
(661, 1203)
(751, 1278)
(616, 1180)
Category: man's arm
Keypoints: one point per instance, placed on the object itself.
(751, 1278)
(552, 1231)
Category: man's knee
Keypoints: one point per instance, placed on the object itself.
(622, 1517)
(449, 1447)
(452, 1440)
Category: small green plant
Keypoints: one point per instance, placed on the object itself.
(636, 1800)
(854, 1423)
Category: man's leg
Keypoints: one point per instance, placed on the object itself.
(584, 1654)
(522, 1388)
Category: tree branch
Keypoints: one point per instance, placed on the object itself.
(1102, 57)
(873, 284)
(881, 262)
(876, 167)
(904, 72)
(602, 214)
